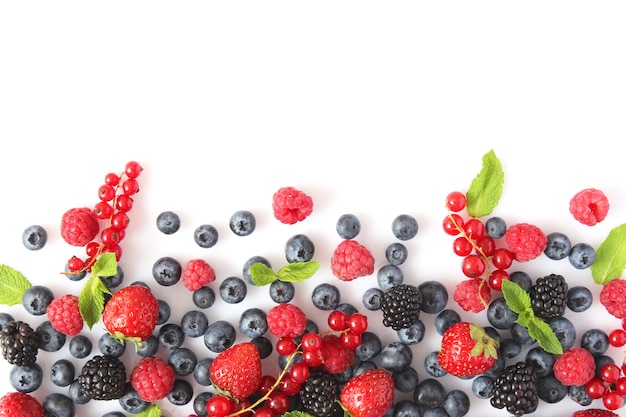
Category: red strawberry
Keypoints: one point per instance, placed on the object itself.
(467, 350)
(237, 370)
(131, 313)
(594, 412)
(369, 394)
(20, 404)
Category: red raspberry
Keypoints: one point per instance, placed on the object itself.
(79, 226)
(286, 320)
(20, 404)
(64, 315)
(575, 366)
(589, 206)
(613, 297)
(351, 260)
(337, 358)
(197, 273)
(466, 294)
(152, 378)
(291, 205)
(526, 241)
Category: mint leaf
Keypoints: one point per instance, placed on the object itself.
(91, 300)
(541, 331)
(297, 414)
(610, 259)
(298, 271)
(13, 285)
(105, 265)
(262, 274)
(515, 296)
(485, 190)
(153, 410)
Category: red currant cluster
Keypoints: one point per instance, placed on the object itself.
(116, 200)
(609, 385)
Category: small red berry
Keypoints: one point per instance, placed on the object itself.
(299, 372)
(311, 342)
(595, 388)
(285, 346)
(106, 192)
(486, 246)
(453, 224)
(350, 340)
(620, 385)
(133, 169)
(357, 323)
(267, 382)
(75, 264)
(612, 400)
(502, 258)
(111, 179)
(110, 237)
(461, 246)
(617, 338)
(123, 202)
(473, 266)
(130, 186)
(120, 220)
(338, 320)
(474, 228)
(289, 386)
(313, 357)
(278, 402)
(103, 210)
(610, 372)
(456, 201)
(218, 406)
(495, 279)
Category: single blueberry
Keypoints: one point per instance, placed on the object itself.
(233, 290)
(500, 315)
(389, 276)
(165, 311)
(413, 334)
(483, 386)
(579, 395)
(299, 248)
(167, 271)
(203, 297)
(34, 237)
(406, 408)
(457, 403)
(596, 341)
(36, 299)
(168, 222)
(201, 372)
(131, 401)
(253, 322)
(522, 279)
(510, 348)
(58, 405)
(264, 345)
(405, 380)
(326, 296)
(564, 330)
(113, 281)
(369, 348)
(432, 365)
(550, 389)
(181, 393)
(182, 360)
(495, 227)
(582, 255)
(434, 296)
(395, 356)
(282, 291)
(348, 226)
(205, 236)
(396, 253)
(540, 360)
(62, 373)
(372, 298)
(404, 227)
(148, 347)
(242, 223)
(363, 366)
(80, 346)
(579, 298)
(50, 339)
(558, 246)
(429, 393)
(194, 323)
(171, 336)
(219, 336)
(110, 346)
(26, 378)
(445, 319)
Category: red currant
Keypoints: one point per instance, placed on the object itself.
(311, 342)
(595, 388)
(278, 402)
(313, 357)
(610, 372)
(92, 248)
(620, 385)
(133, 169)
(106, 192)
(495, 279)
(120, 220)
(350, 340)
(130, 186)
(461, 246)
(473, 266)
(123, 202)
(117, 250)
(75, 264)
(612, 400)
(218, 406)
(110, 237)
(289, 386)
(111, 179)
(452, 224)
(456, 201)
(267, 383)
(486, 245)
(357, 323)
(263, 412)
(338, 320)
(300, 372)
(617, 338)
(474, 228)
(103, 210)
(502, 258)
(285, 346)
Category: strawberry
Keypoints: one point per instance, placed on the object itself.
(20, 404)
(131, 313)
(594, 412)
(467, 350)
(236, 371)
(369, 394)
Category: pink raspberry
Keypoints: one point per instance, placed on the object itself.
(291, 205)
(64, 315)
(575, 366)
(472, 295)
(351, 260)
(337, 358)
(589, 206)
(286, 320)
(613, 297)
(197, 273)
(526, 241)
(152, 378)
(79, 226)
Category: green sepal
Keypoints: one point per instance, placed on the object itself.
(485, 345)
(485, 190)
(610, 260)
(13, 285)
(298, 271)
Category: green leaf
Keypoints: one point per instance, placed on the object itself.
(515, 296)
(485, 190)
(610, 259)
(262, 274)
(541, 331)
(298, 271)
(152, 410)
(13, 285)
(105, 265)
(297, 414)
(91, 300)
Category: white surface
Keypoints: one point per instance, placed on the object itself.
(372, 109)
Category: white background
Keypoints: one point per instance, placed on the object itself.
(372, 108)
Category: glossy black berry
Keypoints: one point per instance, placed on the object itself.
(205, 236)
(549, 296)
(34, 237)
(319, 394)
(168, 222)
(103, 377)
(515, 390)
(401, 306)
(19, 342)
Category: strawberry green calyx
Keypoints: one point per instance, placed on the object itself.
(485, 345)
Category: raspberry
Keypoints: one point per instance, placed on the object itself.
(526, 241)
(20, 404)
(351, 260)
(286, 320)
(152, 378)
(589, 206)
(336, 357)
(79, 226)
(466, 294)
(64, 315)
(613, 297)
(197, 273)
(594, 412)
(291, 205)
(575, 366)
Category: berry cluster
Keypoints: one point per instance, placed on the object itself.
(609, 385)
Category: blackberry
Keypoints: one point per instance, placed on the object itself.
(401, 306)
(319, 394)
(103, 377)
(549, 296)
(516, 389)
(20, 343)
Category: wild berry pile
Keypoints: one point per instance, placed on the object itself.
(333, 363)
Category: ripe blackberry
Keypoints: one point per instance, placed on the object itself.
(516, 389)
(549, 296)
(319, 394)
(401, 306)
(20, 343)
(103, 377)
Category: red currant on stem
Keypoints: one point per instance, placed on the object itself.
(103, 210)
(453, 224)
(610, 372)
(461, 246)
(106, 192)
(485, 246)
(123, 202)
(595, 388)
(502, 258)
(218, 406)
(130, 186)
(350, 340)
(75, 264)
(337, 320)
(473, 266)
(357, 323)
(110, 237)
(112, 179)
(120, 220)
(299, 372)
(267, 383)
(620, 385)
(263, 412)
(311, 342)
(456, 201)
(285, 346)
(474, 228)
(612, 400)
(289, 386)
(617, 338)
(495, 279)
(133, 169)
(278, 402)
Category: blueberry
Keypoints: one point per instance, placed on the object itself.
(389, 276)
(5, 318)
(251, 261)
(434, 296)
(131, 401)
(26, 378)
(457, 403)
(199, 403)
(148, 347)
(203, 297)
(435, 412)
(62, 373)
(596, 341)
(550, 389)
(348, 226)
(233, 290)
(171, 336)
(582, 255)
(406, 408)
(500, 315)
(110, 346)
(404, 227)
(34, 237)
(77, 393)
(432, 365)
(413, 334)
(520, 334)
(253, 322)
(578, 298)
(113, 281)
(395, 356)
(167, 271)
(495, 227)
(429, 393)
(194, 323)
(483, 386)
(205, 236)
(396, 253)
(242, 223)
(445, 319)
(299, 248)
(347, 308)
(58, 405)
(50, 339)
(165, 311)
(74, 275)
(219, 336)
(540, 360)
(264, 345)
(522, 279)
(558, 246)
(406, 380)
(36, 299)
(363, 366)
(372, 298)
(80, 346)
(510, 348)
(282, 291)
(497, 367)
(369, 348)
(564, 330)
(168, 222)
(182, 360)
(579, 395)
(326, 296)
(201, 373)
